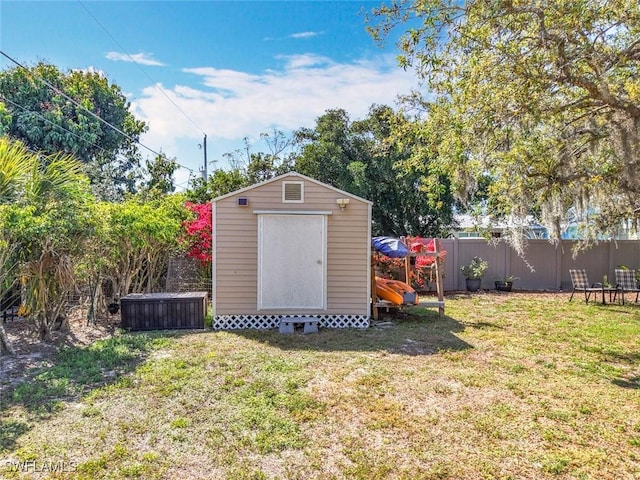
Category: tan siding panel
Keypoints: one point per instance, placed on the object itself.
(236, 248)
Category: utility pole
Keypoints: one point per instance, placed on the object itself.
(206, 174)
(204, 169)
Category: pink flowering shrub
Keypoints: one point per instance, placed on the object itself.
(197, 235)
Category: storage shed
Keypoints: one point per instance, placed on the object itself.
(291, 247)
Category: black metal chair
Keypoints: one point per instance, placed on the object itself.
(626, 282)
(581, 283)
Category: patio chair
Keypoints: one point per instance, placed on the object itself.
(626, 283)
(580, 283)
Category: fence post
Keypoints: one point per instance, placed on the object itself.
(559, 259)
(612, 266)
(456, 263)
(507, 259)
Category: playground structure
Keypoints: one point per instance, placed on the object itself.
(386, 293)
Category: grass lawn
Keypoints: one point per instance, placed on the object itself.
(507, 386)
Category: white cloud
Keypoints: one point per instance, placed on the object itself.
(139, 58)
(293, 62)
(231, 105)
(305, 35)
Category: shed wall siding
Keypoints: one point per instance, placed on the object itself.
(236, 255)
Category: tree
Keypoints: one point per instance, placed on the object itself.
(261, 166)
(248, 168)
(219, 183)
(16, 164)
(160, 181)
(542, 97)
(14, 171)
(7, 281)
(40, 108)
(328, 150)
(136, 239)
(363, 158)
(47, 221)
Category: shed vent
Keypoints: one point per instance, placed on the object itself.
(293, 192)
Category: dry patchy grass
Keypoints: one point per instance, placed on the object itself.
(510, 386)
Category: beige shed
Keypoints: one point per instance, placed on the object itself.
(291, 247)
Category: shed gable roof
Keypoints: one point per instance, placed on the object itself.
(292, 176)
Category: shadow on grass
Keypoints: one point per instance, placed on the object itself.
(625, 309)
(10, 431)
(631, 359)
(632, 383)
(416, 332)
(71, 373)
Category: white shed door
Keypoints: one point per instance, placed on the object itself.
(292, 261)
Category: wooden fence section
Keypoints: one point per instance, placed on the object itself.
(550, 263)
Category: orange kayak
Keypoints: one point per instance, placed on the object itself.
(396, 292)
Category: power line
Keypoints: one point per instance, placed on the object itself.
(182, 186)
(140, 68)
(60, 127)
(67, 97)
(64, 95)
(38, 114)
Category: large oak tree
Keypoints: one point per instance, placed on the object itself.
(541, 97)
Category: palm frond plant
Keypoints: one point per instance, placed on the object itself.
(46, 214)
(15, 165)
(505, 283)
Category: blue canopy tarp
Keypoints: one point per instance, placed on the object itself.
(389, 246)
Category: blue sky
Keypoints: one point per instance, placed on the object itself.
(232, 69)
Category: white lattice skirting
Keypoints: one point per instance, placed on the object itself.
(264, 322)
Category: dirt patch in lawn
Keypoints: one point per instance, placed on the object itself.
(32, 354)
